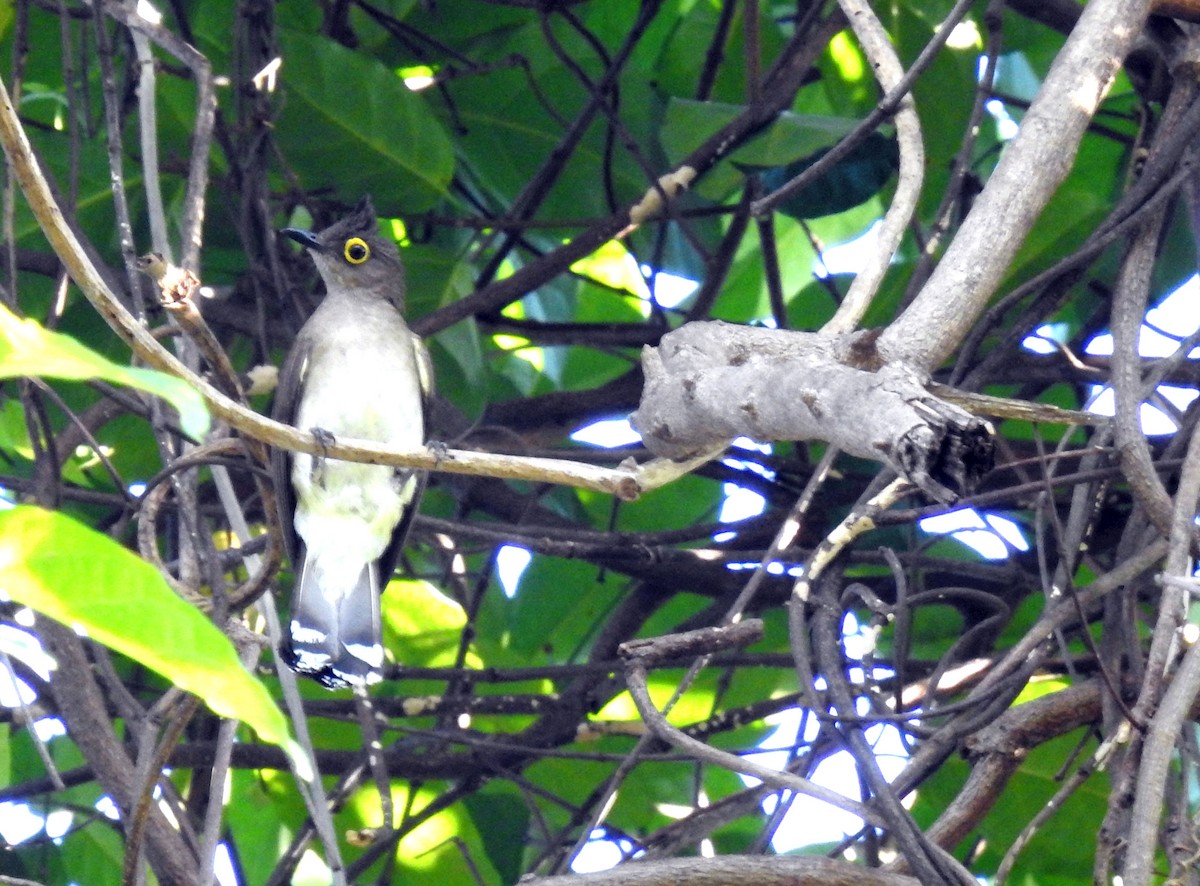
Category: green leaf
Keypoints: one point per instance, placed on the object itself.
(853, 180)
(911, 26)
(677, 70)
(27, 349)
(14, 433)
(1084, 198)
(1062, 849)
(6, 755)
(502, 819)
(262, 810)
(437, 275)
(507, 136)
(423, 624)
(94, 857)
(84, 579)
(813, 305)
(545, 624)
(352, 126)
(688, 123)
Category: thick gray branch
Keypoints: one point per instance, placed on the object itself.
(1031, 169)
(779, 870)
(709, 382)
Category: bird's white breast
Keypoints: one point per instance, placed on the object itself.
(362, 384)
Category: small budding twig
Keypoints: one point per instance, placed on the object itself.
(178, 288)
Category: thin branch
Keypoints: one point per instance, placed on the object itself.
(635, 677)
(192, 222)
(1180, 694)
(877, 46)
(311, 790)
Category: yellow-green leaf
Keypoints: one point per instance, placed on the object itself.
(28, 349)
(75, 575)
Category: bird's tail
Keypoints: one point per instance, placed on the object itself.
(335, 635)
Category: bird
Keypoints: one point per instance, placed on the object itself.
(355, 370)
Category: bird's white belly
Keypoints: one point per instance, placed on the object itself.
(350, 521)
(348, 509)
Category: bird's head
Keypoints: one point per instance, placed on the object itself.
(351, 255)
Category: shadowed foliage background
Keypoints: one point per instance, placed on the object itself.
(504, 144)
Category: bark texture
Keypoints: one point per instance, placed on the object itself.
(709, 382)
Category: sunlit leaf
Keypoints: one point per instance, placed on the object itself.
(425, 622)
(77, 576)
(27, 349)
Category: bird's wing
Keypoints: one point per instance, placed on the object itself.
(424, 374)
(387, 562)
(283, 409)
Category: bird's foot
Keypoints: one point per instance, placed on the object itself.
(439, 450)
(325, 439)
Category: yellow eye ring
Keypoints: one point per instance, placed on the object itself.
(356, 250)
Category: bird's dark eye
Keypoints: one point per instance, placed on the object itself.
(356, 251)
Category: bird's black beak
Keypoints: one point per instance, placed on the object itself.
(307, 239)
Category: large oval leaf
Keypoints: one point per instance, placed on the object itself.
(349, 124)
(77, 576)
